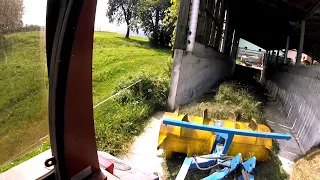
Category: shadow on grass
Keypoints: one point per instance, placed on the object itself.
(271, 169)
(5, 47)
(136, 41)
(146, 45)
(172, 167)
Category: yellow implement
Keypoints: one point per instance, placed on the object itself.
(198, 142)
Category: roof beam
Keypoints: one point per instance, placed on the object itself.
(313, 9)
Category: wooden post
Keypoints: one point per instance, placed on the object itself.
(235, 46)
(265, 58)
(300, 50)
(287, 49)
(314, 54)
(277, 57)
(230, 34)
(209, 19)
(222, 13)
(225, 34)
(213, 31)
(182, 25)
(269, 57)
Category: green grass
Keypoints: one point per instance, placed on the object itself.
(116, 59)
(117, 62)
(23, 98)
(43, 147)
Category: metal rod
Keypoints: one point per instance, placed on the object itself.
(226, 130)
(299, 53)
(287, 49)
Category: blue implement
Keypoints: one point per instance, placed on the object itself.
(228, 131)
(217, 159)
(227, 170)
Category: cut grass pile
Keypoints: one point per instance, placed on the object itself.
(23, 98)
(231, 98)
(236, 98)
(117, 63)
(308, 167)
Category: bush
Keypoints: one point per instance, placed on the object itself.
(154, 92)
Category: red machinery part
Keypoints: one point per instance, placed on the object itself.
(106, 164)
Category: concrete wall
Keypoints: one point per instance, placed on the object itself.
(297, 89)
(196, 73)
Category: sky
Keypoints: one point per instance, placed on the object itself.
(35, 13)
(243, 43)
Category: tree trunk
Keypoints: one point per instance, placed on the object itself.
(128, 31)
(156, 27)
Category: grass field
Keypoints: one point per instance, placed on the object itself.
(23, 101)
(117, 62)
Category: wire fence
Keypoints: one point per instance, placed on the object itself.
(119, 92)
(25, 151)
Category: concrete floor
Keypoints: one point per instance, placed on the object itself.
(289, 150)
(143, 154)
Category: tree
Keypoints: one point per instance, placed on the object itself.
(151, 15)
(124, 11)
(171, 18)
(11, 12)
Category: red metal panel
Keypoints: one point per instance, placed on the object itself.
(80, 142)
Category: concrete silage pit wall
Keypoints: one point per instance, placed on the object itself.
(196, 73)
(297, 90)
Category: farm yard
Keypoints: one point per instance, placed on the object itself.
(141, 74)
(117, 63)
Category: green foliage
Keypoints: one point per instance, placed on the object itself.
(171, 18)
(11, 12)
(124, 11)
(119, 120)
(151, 14)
